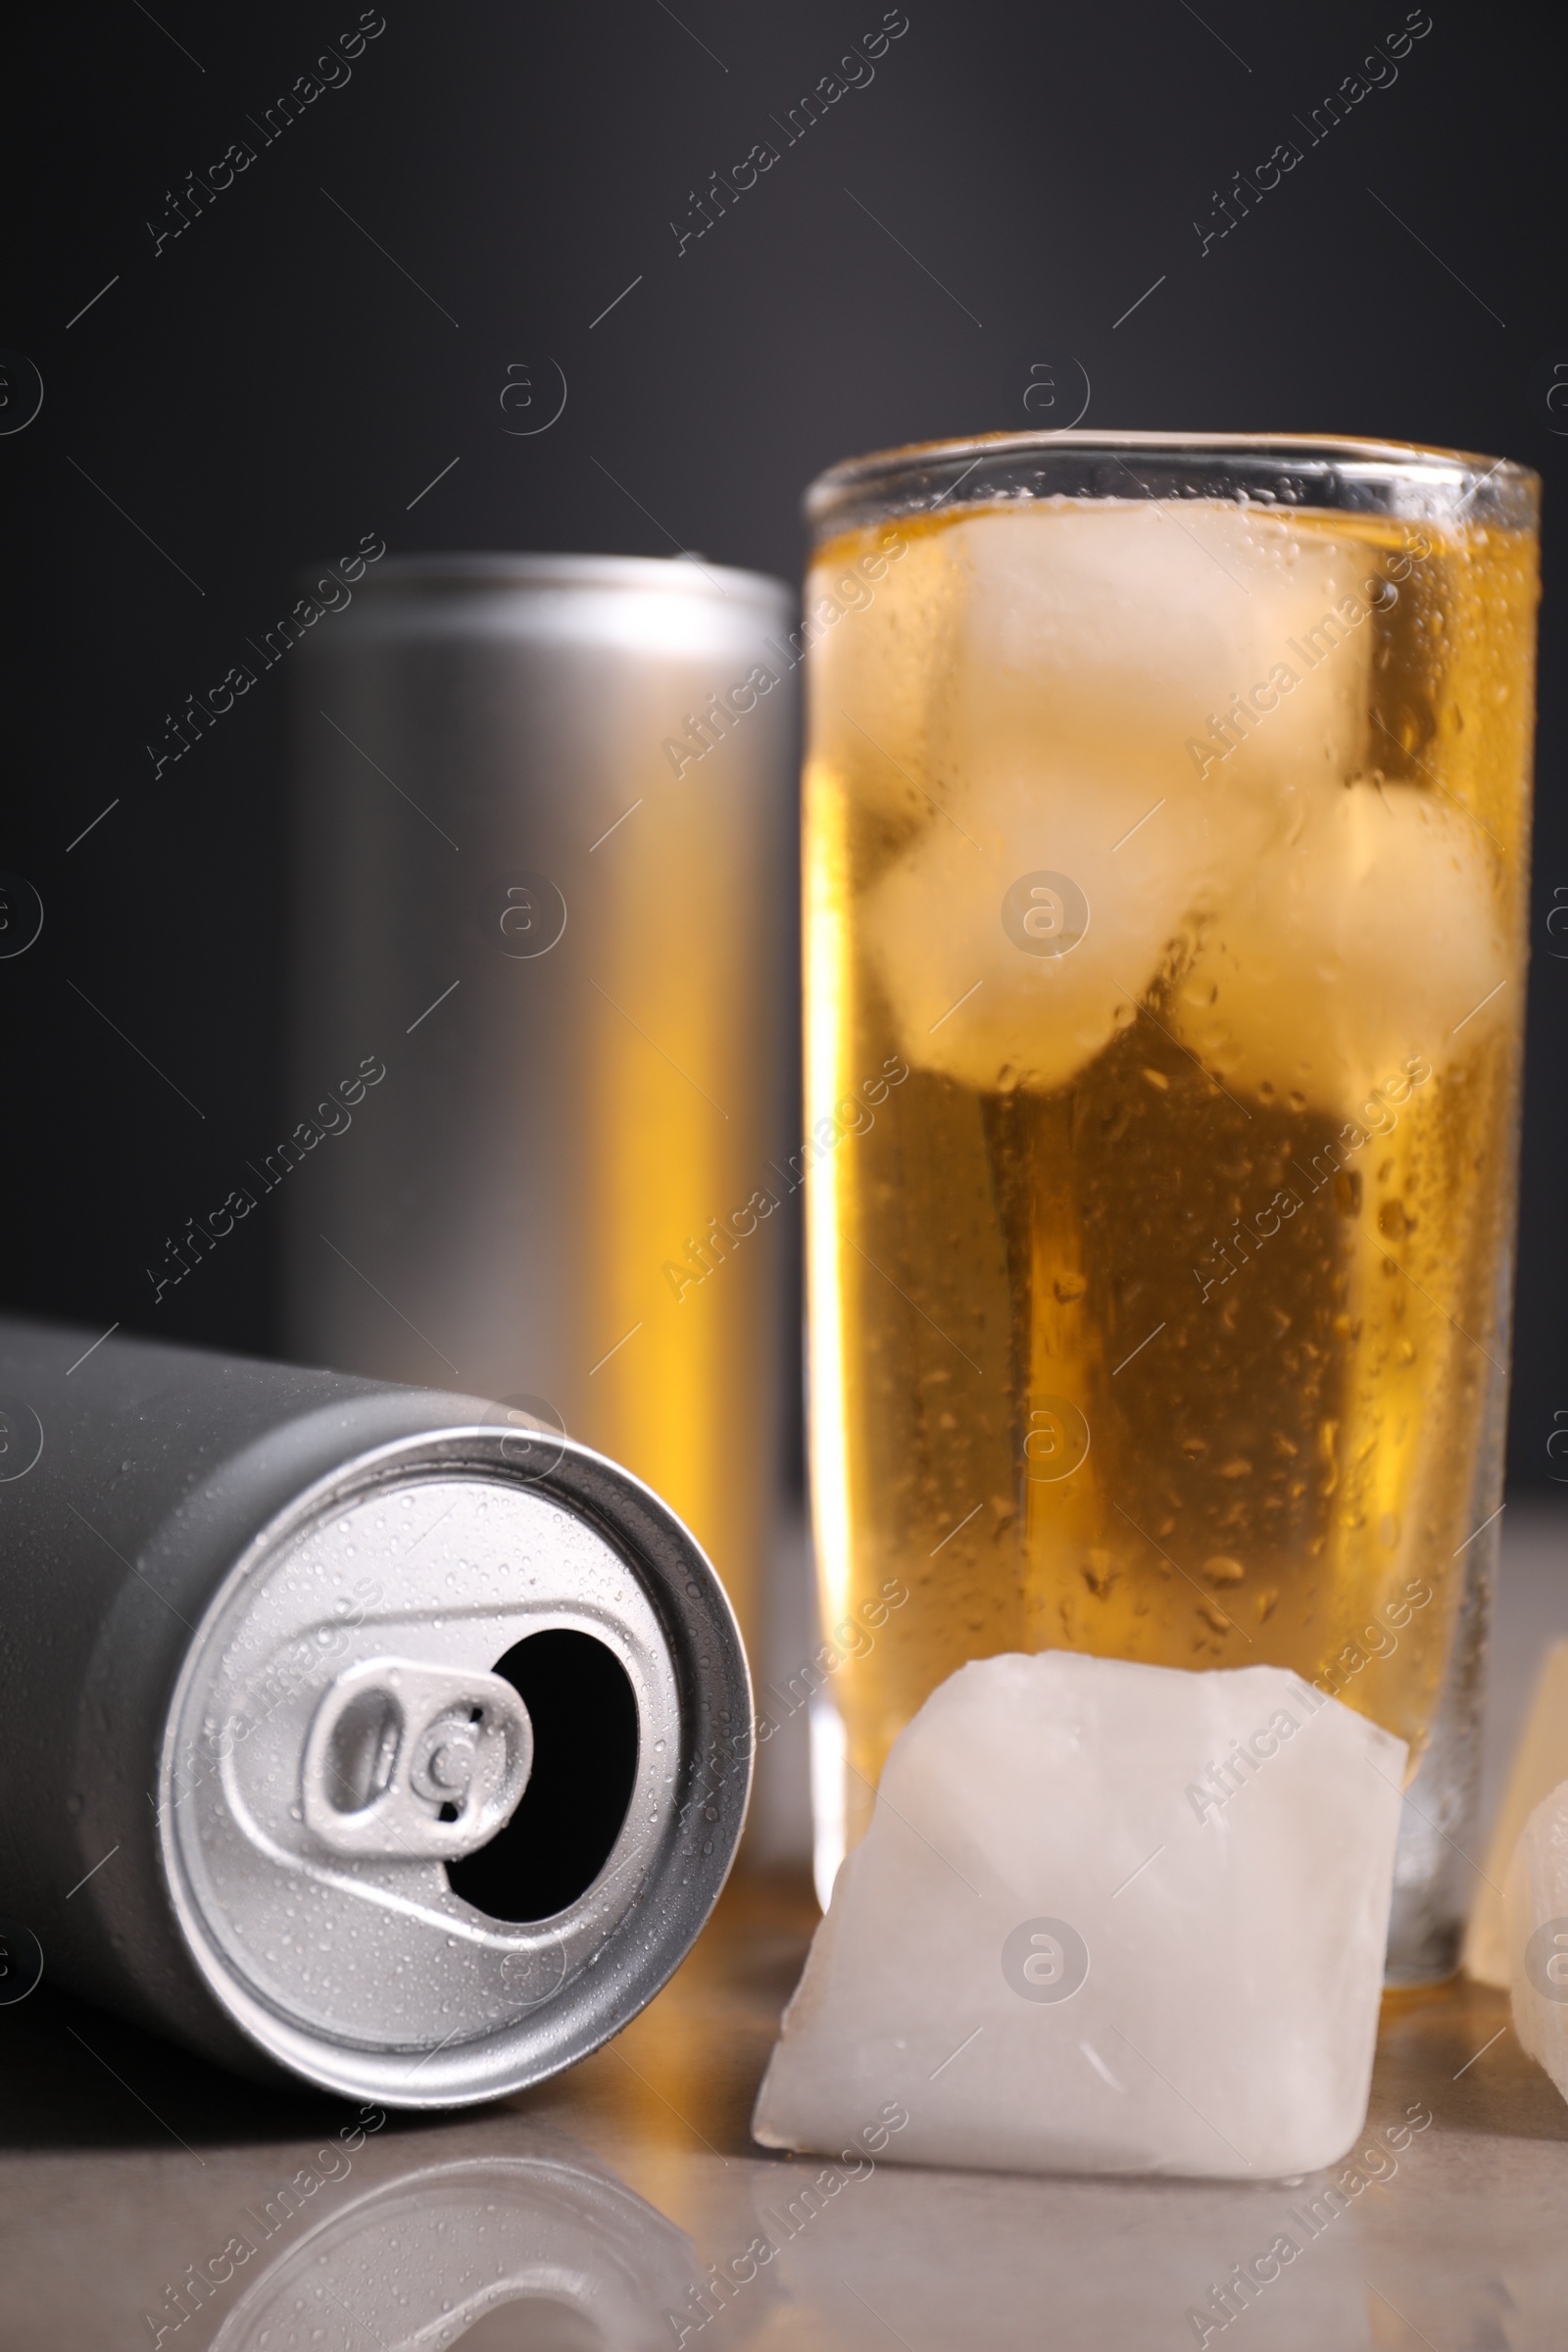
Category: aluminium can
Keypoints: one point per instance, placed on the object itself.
(545, 857)
(371, 1734)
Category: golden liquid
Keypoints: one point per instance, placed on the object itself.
(1226, 1192)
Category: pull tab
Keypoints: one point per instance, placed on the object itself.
(409, 1762)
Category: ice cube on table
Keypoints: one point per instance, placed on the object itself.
(1536, 1907)
(1539, 1764)
(1107, 1917)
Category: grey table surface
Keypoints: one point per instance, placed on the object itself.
(624, 2204)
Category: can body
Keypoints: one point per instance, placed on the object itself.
(356, 1731)
(544, 854)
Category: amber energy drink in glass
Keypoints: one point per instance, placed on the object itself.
(1168, 817)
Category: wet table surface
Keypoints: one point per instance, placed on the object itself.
(147, 2198)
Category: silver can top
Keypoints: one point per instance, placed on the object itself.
(454, 1768)
(686, 577)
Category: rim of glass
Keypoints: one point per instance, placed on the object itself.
(1285, 473)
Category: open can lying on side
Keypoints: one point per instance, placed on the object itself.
(366, 1733)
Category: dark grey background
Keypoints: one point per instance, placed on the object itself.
(272, 386)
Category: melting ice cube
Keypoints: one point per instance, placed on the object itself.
(1539, 1764)
(1372, 932)
(1010, 940)
(1106, 1918)
(1082, 757)
(1537, 1903)
(1124, 634)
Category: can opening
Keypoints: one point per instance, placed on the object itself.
(546, 2325)
(583, 1709)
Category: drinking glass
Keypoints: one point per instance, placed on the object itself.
(1167, 849)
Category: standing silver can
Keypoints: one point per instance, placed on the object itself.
(545, 853)
(366, 1733)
